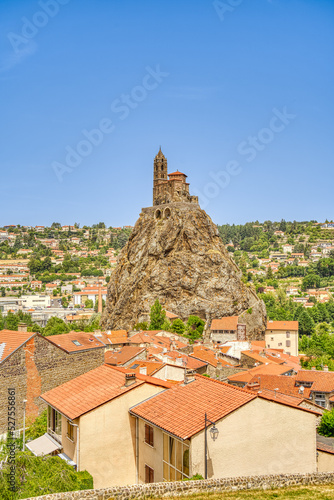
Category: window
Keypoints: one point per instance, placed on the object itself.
(280, 343)
(70, 431)
(175, 458)
(288, 343)
(320, 399)
(149, 474)
(149, 435)
(271, 338)
(287, 335)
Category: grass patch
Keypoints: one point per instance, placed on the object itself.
(323, 492)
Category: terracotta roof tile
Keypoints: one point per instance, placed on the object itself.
(228, 323)
(76, 341)
(282, 325)
(92, 389)
(124, 355)
(180, 411)
(11, 340)
(205, 354)
(322, 381)
(281, 383)
(325, 447)
(267, 369)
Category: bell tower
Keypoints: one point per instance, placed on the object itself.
(159, 175)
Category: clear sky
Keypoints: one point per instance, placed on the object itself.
(238, 93)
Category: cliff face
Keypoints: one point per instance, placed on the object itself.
(176, 255)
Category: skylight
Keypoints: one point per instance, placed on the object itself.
(76, 342)
(134, 366)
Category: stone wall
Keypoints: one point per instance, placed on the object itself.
(177, 488)
(35, 368)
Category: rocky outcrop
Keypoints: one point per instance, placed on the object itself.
(175, 254)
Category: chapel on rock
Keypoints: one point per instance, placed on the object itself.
(169, 188)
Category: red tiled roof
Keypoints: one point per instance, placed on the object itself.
(258, 343)
(180, 411)
(292, 401)
(267, 369)
(205, 354)
(228, 323)
(151, 366)
(171, 315)
(282, 325)
(322, 381)
(177, 173)
(281, 383)
(325, 447)
(75, 341)
(124, 355)
(188, 361)
(258, 357)
(11, 340)
(92, 389)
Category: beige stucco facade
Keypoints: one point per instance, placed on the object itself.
(261, 437)
(282, 339)
(107, 439)
(325, 461)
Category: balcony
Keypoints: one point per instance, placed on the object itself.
(54, 435)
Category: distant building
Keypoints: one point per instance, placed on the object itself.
(282, 335)
(226, 329)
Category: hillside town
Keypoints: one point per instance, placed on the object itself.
(166, 250)
(156, 390)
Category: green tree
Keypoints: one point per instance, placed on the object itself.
(55, 326)
(195, 327)
(326, 427)
(178, 326)
(157, 316)
(306, 324)
(89, 304)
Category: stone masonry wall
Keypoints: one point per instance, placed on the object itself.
(177, 488)
(35, 368)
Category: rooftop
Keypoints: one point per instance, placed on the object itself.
(11, 340)
(75, 341)
(282, 325)
(180, 411)
(92, 389)
(228, 323)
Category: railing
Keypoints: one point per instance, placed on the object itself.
(54, 435)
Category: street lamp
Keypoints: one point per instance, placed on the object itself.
(214, 434)
(24, 423)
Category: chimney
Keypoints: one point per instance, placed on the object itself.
(143, 370)
(130, 378)
(22, 327)
(313, 368)
(325, 368)
(99, 310)
(189, 376)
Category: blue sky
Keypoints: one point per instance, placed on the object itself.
(239, 95)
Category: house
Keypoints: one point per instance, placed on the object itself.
(241, 379)
(247, 434)
(36, 284)
(320, 385)
(32, 364)
(282, 335)
(33, 301)
(228, 328)
(287, 248)
(88, 418)
(126, 356)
